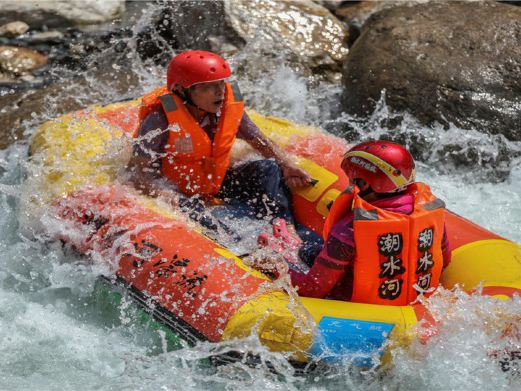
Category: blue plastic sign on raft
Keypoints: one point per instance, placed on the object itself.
(357, 340)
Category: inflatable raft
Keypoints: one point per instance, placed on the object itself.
(199, 288)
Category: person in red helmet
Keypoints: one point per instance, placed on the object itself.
(186, 133)
(385, 239)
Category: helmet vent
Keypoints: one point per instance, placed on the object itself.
(196, 66)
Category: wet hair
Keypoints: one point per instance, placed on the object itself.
(184, 94)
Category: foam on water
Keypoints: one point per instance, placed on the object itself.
(55, 334)
(496, 207)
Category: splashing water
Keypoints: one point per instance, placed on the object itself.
(56, 333)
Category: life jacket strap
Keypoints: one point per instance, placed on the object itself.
(237, 95)
(363, 214)
(168, 103)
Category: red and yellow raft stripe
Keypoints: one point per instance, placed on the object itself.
(479, 256)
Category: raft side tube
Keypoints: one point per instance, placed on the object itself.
(493, 262)
(77, 154)
(288, 326)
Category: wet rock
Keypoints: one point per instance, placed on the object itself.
(20, 61)
(28, 78)
(102, 82)
(6, 79)
(357, 12)
(70, 49)
(442, 63)
(331, 5)
(218, 44)
(55, 13)
(302, 27)
(307, 34)
(13, 29)
(47, 36)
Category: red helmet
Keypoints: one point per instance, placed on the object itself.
(196, 66)
(386, 166)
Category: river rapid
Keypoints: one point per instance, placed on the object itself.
(56, 334)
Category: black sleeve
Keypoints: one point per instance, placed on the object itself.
(152, 135)
(247, 128)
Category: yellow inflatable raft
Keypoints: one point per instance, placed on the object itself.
(198, 287)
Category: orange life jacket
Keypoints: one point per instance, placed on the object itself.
(192, 161)
(397, 255)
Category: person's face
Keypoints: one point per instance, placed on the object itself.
(208, 96)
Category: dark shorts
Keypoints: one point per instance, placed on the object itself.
(259, 185)
(255, 190)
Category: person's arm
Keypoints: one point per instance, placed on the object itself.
(143, 174)
(147, 179)
(328, 269)
(294, 176)
(144, 166)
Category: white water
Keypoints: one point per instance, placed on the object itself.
(54, 335)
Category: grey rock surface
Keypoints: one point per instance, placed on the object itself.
(53, 13)
(304, 27)
(454, 62)
(13, 29)
(307, 34)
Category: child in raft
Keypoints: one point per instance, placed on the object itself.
(186, 133)
(385, 238)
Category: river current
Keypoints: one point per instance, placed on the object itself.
(56, 334)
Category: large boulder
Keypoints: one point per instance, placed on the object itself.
(450, 62)
(303, 27)
(56, 13)
(307, 34)
(356, 13)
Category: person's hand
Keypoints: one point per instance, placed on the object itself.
(273, 265)
(295, 176)
(268, 263)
